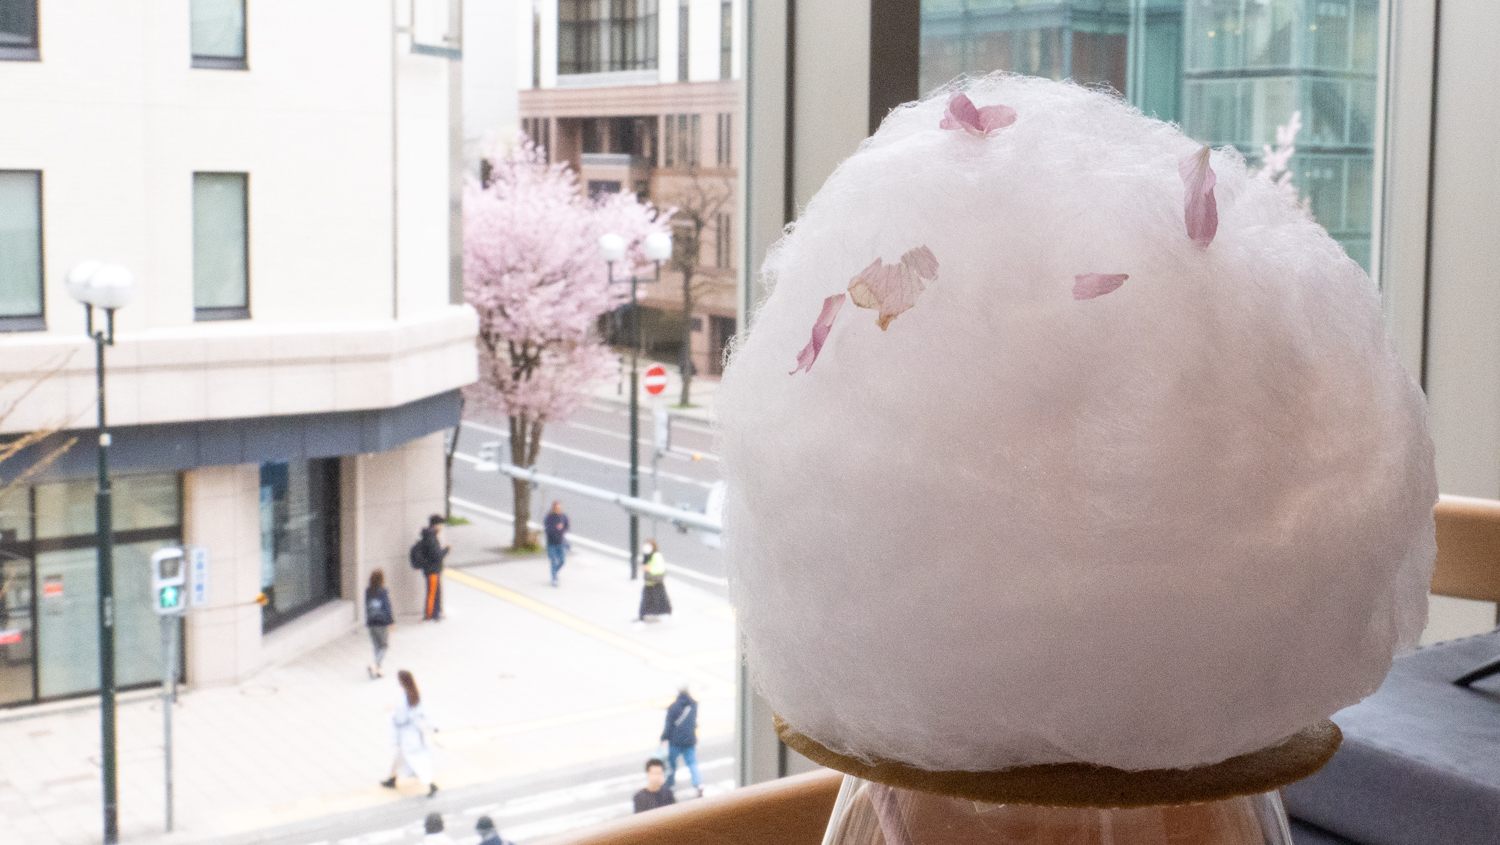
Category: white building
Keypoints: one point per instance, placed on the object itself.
(281, 382)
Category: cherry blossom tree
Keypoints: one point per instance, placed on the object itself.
(533, 273)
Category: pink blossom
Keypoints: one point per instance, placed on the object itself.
(963, 114)
(1090, 285)
(892, 289)
(1200, 211)
(533, 273)
(820, 330)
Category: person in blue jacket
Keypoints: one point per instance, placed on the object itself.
(681, 736)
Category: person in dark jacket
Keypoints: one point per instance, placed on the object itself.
(433, 552)
(378, 618)
(681, 736)
(654, 600)
(556, 525)
(655, 794)
(488, 835)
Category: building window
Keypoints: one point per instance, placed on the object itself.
(18, 30)
(299, 538)
(726, 39)
(1230, 72)
(724, 140)
(694, 132)
(221, 258)
(595, 36)
(219, 34)
(599, 188)
(684, 55)
(669, 144)
(21, 250)
(723, 242)
(49, 586)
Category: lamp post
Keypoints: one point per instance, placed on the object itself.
(658, 248)
(107, 287)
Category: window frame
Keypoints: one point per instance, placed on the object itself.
(219, 313)
(26, 52)
(241, 62)
(37, 321)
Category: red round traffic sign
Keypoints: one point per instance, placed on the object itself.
(655, 380)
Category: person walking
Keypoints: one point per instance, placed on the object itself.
(429, 553)
(654, 601)
(378, 619)
(411, 734)
(654, 795)
(680, 733)
(556, 525)
(488, 835)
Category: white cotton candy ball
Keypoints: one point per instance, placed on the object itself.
(1158, 528)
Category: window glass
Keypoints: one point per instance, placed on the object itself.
(140, 502)
(594, 36)
(20, 243)
(1229, 71)
(220, 275)
(17, 25)
(299, 547)
(726, 39)
(218, 32)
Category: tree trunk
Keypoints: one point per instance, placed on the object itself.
(520, 490)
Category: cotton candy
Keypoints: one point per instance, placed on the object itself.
(1155, 526)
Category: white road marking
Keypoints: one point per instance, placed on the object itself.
(579, 453)
(681, 454)
(597, 546)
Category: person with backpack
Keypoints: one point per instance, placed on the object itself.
(680, 733)
(427, 555)
(378, 618)
(556, 525)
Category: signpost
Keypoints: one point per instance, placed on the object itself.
(171, 590)
(655, 379)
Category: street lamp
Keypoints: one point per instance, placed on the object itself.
(108, 287)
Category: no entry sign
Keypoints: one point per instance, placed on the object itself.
(655, 380)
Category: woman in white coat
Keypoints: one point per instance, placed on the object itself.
(412, 736)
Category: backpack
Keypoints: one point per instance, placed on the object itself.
(417, 555)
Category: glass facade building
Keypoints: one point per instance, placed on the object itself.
(1228, 71)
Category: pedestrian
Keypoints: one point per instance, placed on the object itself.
(411, 734)
(556, 525)
(378, 618)
(488, 835)
(428, 555)
(655, 794)
(433, 831)
(680, 733)
(654, 601)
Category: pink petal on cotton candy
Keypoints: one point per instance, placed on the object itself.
(1090, 285)
(820, 331)
(893, 288)
(963, 114)
(1201, 212)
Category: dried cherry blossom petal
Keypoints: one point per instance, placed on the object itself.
(820, 331)
(963, 114)
(1090, 285)
(893, 288)
(1200, 212)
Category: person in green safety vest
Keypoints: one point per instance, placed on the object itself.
(654, 601)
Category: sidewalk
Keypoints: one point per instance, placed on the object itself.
(521, 678)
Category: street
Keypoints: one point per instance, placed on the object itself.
(550, 700)
(592, 448)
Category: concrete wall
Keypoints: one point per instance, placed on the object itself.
(397, 491)
(221, 512)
